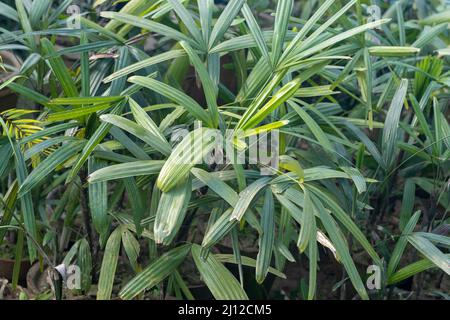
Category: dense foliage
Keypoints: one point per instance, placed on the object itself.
(90, 172)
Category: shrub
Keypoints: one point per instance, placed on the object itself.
(103, 156)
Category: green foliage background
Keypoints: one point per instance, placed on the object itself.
(89, 174)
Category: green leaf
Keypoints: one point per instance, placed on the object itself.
(109, 265)
(57, 158)
(370, 146)
(206, 8)
(189, 152)
(411, 270)
(155, 272)
(422, 120)
(146, 24)
(431, 252)
(188, 21)
(246, 197)
(247, 261)
(84, 67)
(8, 12)
(177, 96)
(218, 186)
(255, 115)
(133, 8)
(244, 42)
(88, 24)
(207, 83)
(290, 207)
(435, 238)
(313, 127)
(139, 131)
(170, 55)
(171, 212)
(389, 138)
(50, 130)
(125, 170)
(401, 24)
(222, 284)
(308, 26)
(256, 31)
(219, 229)
(323, 26)
(283, 13)
(76, 112)
(308, 224)
(356, 176)
(28, 93)
(136, 150)
(341, 248)
(224, 22)
(409, 192)
(98, 199)
(313, 255)
(70, 255)
(8, 203)
(84, 260)
(95, 139)
(18, 253)
(348, 223)
(365, 78)
(79, 101)
(138, 207)
(401, 244)
(4, 84)
(292, 165)
(223, 225)
(25, 22)
(392, 51)
(334, 40)
(143, 119)
(264, 128)
(5, 156)
(59, 69)
(131, 246)
(38, 10)
(267, 238)
(437, 18)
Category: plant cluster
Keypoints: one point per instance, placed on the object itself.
(89, 174)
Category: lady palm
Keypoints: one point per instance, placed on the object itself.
(107, 134)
